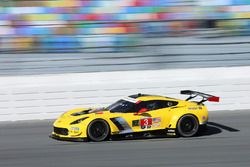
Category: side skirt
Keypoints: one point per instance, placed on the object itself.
(145, 135)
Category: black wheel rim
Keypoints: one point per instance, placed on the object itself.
(188, 125)
(98, 130)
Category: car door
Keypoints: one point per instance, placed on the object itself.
(158, 114)
(133, 120)
(155, 116)
(147, 116)
(124, 115)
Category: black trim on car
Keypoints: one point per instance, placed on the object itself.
(56, 137)
(61, 131)
(119, 126)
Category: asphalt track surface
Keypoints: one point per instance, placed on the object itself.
(226, 143)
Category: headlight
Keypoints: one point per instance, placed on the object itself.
(78, 121)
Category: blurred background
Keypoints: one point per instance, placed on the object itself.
(56, 55)
(133, 34)
(152, 46)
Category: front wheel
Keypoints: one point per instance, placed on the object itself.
(187, 126)
(98, 130)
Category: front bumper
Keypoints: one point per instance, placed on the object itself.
(68, 132)
(58, 137)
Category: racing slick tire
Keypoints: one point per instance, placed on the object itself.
(98, 130)
(187, 126)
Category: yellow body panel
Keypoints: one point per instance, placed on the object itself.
(160, 119)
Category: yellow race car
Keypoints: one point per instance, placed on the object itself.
(138, 114)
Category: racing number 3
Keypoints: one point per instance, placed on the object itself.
(146, 123)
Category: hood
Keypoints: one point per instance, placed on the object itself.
(78, 113)
(88, 111)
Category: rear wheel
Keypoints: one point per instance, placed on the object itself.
(187, 126)
(98, 130)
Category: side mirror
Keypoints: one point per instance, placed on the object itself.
(141, 111)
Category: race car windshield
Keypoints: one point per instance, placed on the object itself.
(122, 106)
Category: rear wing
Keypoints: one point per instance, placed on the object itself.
(205, 97)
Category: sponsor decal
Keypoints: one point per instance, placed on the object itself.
(171, 134)
(74, 130)
(171, 130)
(146, 123)
(135, 123)
(195, 108)
(156, 122)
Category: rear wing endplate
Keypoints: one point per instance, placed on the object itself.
(205, 97)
